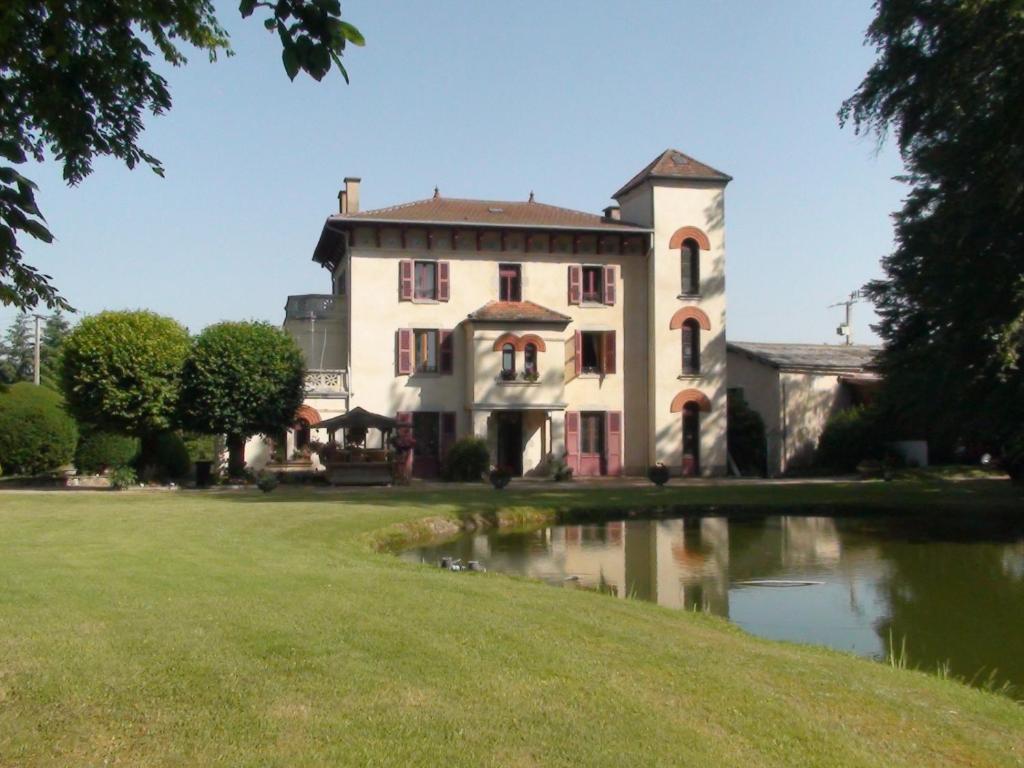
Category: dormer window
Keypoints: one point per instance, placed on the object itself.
(510, 282)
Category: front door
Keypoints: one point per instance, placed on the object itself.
(591, 444)
(510, 442)
(426, 430)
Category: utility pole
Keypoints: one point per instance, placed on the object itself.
(846, 329)
(35, 369)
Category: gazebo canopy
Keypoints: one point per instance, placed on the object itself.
(358, 418)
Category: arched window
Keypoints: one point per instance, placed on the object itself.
(691, 439)
(689, 260)
(691, 347)
(508, 359)
(530, 358)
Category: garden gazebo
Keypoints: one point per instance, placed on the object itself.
(352, 462)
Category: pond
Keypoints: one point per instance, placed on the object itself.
(944, 592)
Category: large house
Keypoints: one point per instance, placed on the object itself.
(551, 333)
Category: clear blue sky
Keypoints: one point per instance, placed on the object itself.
(568, 99)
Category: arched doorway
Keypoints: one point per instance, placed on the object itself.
(691, 440)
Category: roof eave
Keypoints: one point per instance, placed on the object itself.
(722, 180)
(610, 228)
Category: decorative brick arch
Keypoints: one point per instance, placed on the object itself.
(691, 396)
(308, 414)
(689, 233)
(531, 338)
(689, 313)
(506, 338)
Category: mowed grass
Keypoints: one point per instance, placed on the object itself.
(239, 629)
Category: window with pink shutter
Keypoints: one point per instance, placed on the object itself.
(609, 285)
(593, 285)
(404, 351)
(575, 282)
(443, 280)
(509, 282)
(405, 280)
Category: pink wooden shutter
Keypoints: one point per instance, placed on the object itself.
(443, 289)
(613, 442)
(405, 280)
(572, 440)
(609, 285)
(577, 354)
(404, 419)
(608, 363)
(404, 362)
(447, 432)
(575, 278)
(446, 343)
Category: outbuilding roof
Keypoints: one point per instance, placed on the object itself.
(810, 357)
(492, 213)
(517, 312)
(673, 164)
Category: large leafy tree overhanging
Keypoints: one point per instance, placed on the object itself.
(77, 78)
(241, 379)
(949, 84)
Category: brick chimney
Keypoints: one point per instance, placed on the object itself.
(612, 212)
(348, 198)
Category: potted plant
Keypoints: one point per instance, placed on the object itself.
(531, 376)
(658, 474)
(500, 477)
(507, 375)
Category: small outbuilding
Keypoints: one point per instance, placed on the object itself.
(796, 388)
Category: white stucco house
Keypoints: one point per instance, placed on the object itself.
(597, 337)
(796, 388)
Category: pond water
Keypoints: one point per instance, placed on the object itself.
(947, 592)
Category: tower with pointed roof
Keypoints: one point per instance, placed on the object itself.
(682, 200)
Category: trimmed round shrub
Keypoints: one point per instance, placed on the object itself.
(121, 371)
(467, 461)
(36, 433)
(850, 437)
(99, 451)
(658, 474)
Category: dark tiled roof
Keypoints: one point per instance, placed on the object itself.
(517, 312)
(673, 164)
(811, 357)
(445, 210)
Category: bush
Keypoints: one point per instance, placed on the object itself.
(559, 470)
(267, 482)
(123, 478)
(99, 451)
(467, 461)
(850, 437)
(36, 434)
(745, 435)
(500, 477)
(1013, 459)
(658, 474)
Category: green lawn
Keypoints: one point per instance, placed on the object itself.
(240, 629)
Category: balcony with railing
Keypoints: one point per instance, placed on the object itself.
(326, 382)
(317, 324)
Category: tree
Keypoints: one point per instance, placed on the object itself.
(54, 331)
(121, 372)
(948, 82)
(17, 353)
(77, 77)
(242, 379)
